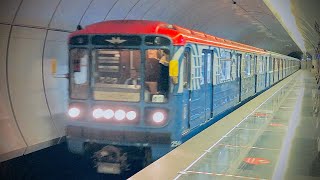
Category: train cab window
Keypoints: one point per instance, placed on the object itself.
(79, 73)
(157, 75)
(116, 74)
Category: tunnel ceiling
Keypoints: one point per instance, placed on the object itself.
(307, 15)
(247, 21)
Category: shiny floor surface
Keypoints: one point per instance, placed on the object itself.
(279, 139)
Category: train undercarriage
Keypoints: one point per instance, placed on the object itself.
(114, 159)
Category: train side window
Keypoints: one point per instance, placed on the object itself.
(265, 64)
(209, 66)
(215, 68)
(202, 68)
(233, 66)
(261, 63)
(254, 64)
(247, 66)
(239, 56)
(225, 65)
(186, 68)
(270, 64)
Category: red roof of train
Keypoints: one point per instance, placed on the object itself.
(179, 35)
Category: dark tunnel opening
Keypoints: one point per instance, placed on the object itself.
(296, 54)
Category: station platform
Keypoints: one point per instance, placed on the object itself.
(273, 136)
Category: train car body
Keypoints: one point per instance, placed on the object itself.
(148, 86)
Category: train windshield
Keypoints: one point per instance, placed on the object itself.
(116, 74)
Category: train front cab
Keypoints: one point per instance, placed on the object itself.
(122, 96)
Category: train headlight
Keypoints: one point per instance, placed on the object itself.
(74, 112)
(158, 117)
(131, 115)
(108, 114)
(97, 113)
(120, 114)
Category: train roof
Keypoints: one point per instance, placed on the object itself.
(179, 35)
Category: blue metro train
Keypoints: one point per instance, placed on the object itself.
(139, 88)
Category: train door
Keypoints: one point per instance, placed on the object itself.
(193, 90)
(207, 57)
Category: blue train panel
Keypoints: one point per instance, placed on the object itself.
(225, 96)
(261, 82)
(247, 87)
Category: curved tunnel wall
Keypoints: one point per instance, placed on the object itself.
(32, 102)
(32, 32)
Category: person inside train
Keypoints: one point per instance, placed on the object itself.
(133, 79)
(163, 80)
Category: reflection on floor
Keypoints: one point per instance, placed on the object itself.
(280, 135)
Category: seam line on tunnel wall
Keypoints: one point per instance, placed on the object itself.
(44, 87)
(54, 12)
(36, 27)
(180, 174)
(144, 14)
(85, 11)
(7, 74)
(131, 9)
(110, 9)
